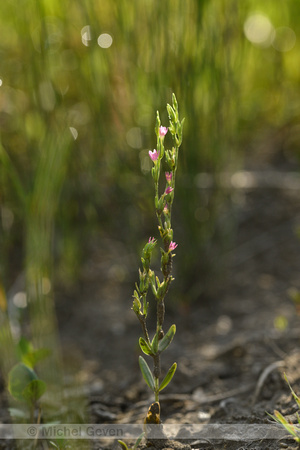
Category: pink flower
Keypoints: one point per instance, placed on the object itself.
(169, 176)
(166, 209)
(169, 190)
(172, 246)
(162, 132)
(151, 240)
(154, 155)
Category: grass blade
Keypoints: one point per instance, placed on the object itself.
(296, 398)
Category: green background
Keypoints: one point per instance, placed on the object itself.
(234, 67)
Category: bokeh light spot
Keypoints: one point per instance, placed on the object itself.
(86, 35)
(74, 132)
(134, 137)
(242, 179)
(284, 39)
(105, 40)
(259, 30)
(20, 300)
(46, 285)
(146, 163)
(224, 325)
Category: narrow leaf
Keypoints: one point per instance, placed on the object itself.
(296, 398)
(171, 113)
(154, 343)
(168, 377)
(280, 418)
(145, 347)
(167, 339)
(138, 440)
(146, 372)
(291, 428)
(53, 444)
(123, 445)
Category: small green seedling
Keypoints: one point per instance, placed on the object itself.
(291, 428)
(25, 386)
(23, 382)
(29, 355)
(137, 443)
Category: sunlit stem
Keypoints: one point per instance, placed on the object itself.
(173, 180)
(142, 320)
(156, 381)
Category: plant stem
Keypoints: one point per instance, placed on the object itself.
(156, 381)
(142, 320)
(163, 208)
(160, 314)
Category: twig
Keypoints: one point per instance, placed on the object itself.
(264, 376)
(209, 398)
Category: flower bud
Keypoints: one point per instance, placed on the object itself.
(157, 124)
(169, 176)
(169, 190)
(136, 303)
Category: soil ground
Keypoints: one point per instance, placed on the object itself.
(231, 347)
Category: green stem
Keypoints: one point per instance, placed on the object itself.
(142, 320)
(173, 180)
(160, 314)
(156, 381)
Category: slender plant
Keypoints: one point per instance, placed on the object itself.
(147, 278)
(162, 159)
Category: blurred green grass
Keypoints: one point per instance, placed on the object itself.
(80, 83)
(103, 69)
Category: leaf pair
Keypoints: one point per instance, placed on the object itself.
(28, 355)
(24, 384)
(156, 345)
(148, 377)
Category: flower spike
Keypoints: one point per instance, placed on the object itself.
(163, 200)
